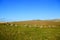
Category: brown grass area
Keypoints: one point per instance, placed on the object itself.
(37, 23)
(34, 22)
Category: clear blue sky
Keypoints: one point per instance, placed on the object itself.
(14, 10)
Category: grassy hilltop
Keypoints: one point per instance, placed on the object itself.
(23, 32)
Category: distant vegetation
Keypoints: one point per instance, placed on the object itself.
(30, 30)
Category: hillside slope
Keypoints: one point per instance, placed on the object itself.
(41, 22)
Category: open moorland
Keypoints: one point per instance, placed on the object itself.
(30, 30)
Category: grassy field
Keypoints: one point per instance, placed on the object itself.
(25, 33)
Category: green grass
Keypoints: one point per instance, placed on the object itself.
(26, 33)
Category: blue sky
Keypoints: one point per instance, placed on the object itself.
(15, 10)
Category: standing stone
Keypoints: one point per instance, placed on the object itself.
(41, 26)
